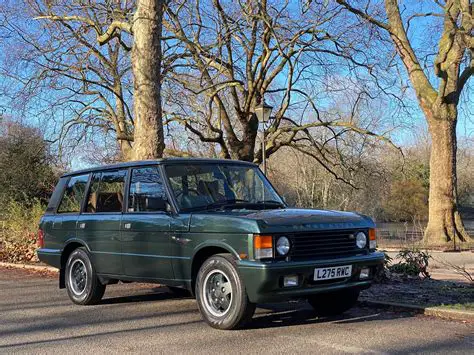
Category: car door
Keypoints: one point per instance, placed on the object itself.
(146, 227)
(99, 224)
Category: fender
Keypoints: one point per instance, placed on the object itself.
(214, 243)
(75, 240)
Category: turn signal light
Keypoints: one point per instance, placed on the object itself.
(372, 234)
(263, 246)
(372, 239)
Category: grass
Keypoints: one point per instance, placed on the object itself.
(469, 306)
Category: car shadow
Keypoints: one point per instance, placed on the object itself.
(277, 314)
(151, 295)
(300, 313)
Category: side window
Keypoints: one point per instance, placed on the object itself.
(106, 192)
(146, 185)
(73, 195)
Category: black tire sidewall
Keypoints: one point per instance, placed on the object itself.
(239, 304)
(87, 295)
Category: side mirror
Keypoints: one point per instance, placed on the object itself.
(156, 204)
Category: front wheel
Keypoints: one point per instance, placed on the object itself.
(334, 303)
(221, 295)
(82, 284)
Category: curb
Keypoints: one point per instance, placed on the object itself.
(29, 267)
(434, 311)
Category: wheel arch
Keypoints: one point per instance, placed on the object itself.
(204, 252)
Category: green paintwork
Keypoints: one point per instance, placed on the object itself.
(160, 247)
(101, 233)
(146, 246)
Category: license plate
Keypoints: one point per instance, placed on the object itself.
(336, 272)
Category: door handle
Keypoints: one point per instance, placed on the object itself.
(180, 240)
(82, 225)
(127, 225)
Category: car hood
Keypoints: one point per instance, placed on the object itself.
(278, 221)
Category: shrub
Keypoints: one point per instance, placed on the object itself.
(382, 273)
(18, 235)
(413, 263)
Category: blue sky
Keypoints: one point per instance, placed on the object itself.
(411, 121)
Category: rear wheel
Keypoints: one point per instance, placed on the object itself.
(82, 284)
(221, 294)
(334, 303)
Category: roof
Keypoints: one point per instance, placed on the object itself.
(159, 161)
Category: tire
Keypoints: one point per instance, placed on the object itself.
(334, 303)
(82, 284)
(221, 295)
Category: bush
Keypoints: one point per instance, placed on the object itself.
(27, 169)
(18, 233)
(382, 273)
(413, 263)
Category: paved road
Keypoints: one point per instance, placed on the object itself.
(35, 317)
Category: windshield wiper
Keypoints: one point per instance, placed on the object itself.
(236, 203)
(225, 203)
(271, 202)
(243, 203)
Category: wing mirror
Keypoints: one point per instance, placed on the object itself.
(156, 204)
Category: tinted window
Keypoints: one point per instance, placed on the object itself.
(73, 195)
(146, 183)
(106, 192)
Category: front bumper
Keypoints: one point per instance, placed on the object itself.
(264, 281)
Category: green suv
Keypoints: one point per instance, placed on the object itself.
(216, 228)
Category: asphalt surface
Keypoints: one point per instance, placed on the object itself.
(37, 317)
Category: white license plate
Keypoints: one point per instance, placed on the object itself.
(336, 272)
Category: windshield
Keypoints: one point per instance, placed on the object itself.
(213, 186)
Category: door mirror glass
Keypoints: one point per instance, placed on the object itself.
(156, 204)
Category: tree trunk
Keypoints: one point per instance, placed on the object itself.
(146, 66)
(121, 128)
(444, 222)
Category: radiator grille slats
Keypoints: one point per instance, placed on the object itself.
(324, 244)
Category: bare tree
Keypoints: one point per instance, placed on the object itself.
(223, 57)
(67, 62)
(453, 66)
(146, 64)
(95, 25)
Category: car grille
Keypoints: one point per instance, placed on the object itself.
(324, 244)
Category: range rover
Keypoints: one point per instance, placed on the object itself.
(216, 228)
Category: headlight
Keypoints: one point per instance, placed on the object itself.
(283, 246)
(361, 240)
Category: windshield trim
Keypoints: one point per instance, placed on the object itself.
(172, 196)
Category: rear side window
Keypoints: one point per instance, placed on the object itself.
(56, 196)
(74, 194)
(106, 192)
(145, 183)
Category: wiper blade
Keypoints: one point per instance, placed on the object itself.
(271, 202)
(225, 203)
